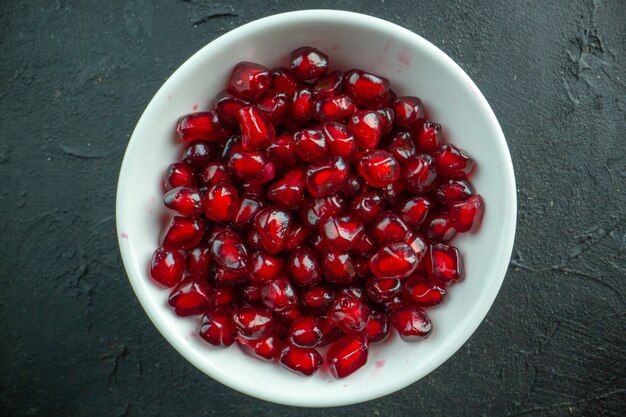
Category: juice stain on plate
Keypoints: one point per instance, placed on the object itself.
(124, 235)
(379, 364)
(195, 107)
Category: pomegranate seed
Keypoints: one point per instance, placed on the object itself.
(266, 348)
(452, 191)
(347, 355)
(198, 261)
(366, 126)
(229, 251)
(304, 268)
(252, 167)
(301, 106)
(178, 174)
(217, 328)
(184, 200)
(393, 193)
(411, 322)
(396, 260)
(341, 233)
(224, 297)
(253, 322)
(365, 89)
(422, 292)
(306, 331)
(348, 314)
(377, 328)
(318, 210)
(257, 132)
(282, 151)
(326, 178)
(203, 125)
(246, 210)
(213, 173)
(272, 225)
(251, 293)
(310, 145)
(419, 246)
(249, 79)
(389, 228)
(278, 294)
(227, 106)
(394, 304)
(353, 186)
(338, 268)
(254, 240)
(284, 81)
(331, 333)
(296, 236)
(290, 314)
(302, 361)
(409, 111)
(198, 153)
(220, 202)
(367, 206)
(439, 227)
(317, 300)
(232, 144)
(333, 108)
(387, 119)
(365, 246)
(427, 136)
(183, 233)
(362, 267)
(452, 162)
(379, 168)
(340, 140)
(263, 267)
(309, 63)
(466, 216)
(414, 210)
(353, 291)
(328, 85)
(419, 174)
(381, 290)
(445, 263)
(223, 277)
(167, 267)
(401, 147)
(274, 105)
(190, 297)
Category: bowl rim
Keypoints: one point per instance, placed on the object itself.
(509, 219)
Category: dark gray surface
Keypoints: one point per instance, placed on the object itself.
(75, 77)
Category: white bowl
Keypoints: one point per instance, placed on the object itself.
(415, 67)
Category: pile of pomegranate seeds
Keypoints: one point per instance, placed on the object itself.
(313, 208)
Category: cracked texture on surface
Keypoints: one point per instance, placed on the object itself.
(76, 76)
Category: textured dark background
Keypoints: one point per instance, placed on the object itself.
(74, 79)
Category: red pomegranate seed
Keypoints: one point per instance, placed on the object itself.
(278, 294)
(274, 105)
(419, 174)
(409, 111)
(318, 210)
(367, 206)
(326, 178)
(296, 236)
(316, 300)
(198, 153)
(365, 246)
(253, 322)
(347, 355)
(198, 261)
(228, 250)
(266, 348)
(444, 263)
(387, 119)
(353, 291)
(366, 126)
(306, 331)
(439, 227)
(302, 361)
(224, 297)
(427, 136)
(232, 144)
(183, 233)
(262, 267)
(401, 147)
(257, 132)
(283, 151)
(213, 173)
(422, 292)
(333, 108)
(167, 267)
(394, 193)
(284, 81)
(272, 225)
(341, 233)
(251, 293)
(309, 63)
(328, 85)
(310, 144)
(222, 277)
(412, 323)
(348, 314)
(339, 268)
(394, 304)
(217, 328)
(365, 89)
(249, 79)
(396, 260)
(289, 315)
(304, 267)
(419, 246)
(252, 167)
(227, 106)
(184, 200)
(377, 327)
(287, 191)
(452, 191)
(362, 267)
(203, 125)
(190, 297)
(340, 140)
(178, 174)
(301, 106)
(353, 186)
(383, 289)
(379, 168)
(387, 227)
(220, 202)
(452, 162)
(331, 333)
(246, 210)
(466, 216)
(414, 210)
